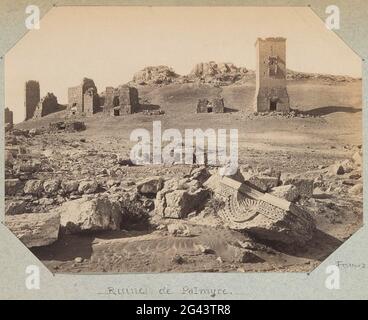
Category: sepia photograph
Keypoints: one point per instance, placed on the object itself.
(182, 139)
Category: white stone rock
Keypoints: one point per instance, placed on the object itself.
(69, 186)
(288, 192)
(88, 187)
(33, 187)
(150, 185)
(34, 229)
(51, 186)
(90, 215)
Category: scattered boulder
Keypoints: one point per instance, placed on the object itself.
(178, 259)
(357, 189)
(90, 215)
(178, 229)
(205, 249)
(242, 255)
(179, 203)
(125, 162)
(34, 187)
(15, 207)
(69, 186)
(34, 229)
(12, 186)
(78, 260)
(287, 192)
(262, 182)
(20, 132)
(270, 172)
(46, 201)
(358, 158)
(34, 132)
(28, 167)
(150, 185)
(336, 169)
(87, 187)
(304, 187)
(51, 186)
(200, 174)
(347, 165)
(9, 159)
(355, 176)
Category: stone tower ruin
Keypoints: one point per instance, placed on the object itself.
(122, 100)
(83, 99)
(271, 91)
(32, 98)
(8, 115)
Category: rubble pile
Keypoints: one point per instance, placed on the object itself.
(222, 74)
(156, 75)
(52, 190)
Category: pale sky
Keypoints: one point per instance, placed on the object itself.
(110, 44)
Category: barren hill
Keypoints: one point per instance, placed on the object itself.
(220, 74)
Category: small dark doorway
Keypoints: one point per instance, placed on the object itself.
(116, 112)
(116, 101)
(273, 105)
(209, 109)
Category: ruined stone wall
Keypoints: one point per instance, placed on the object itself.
(32, 98)
(121, 100)
(8, 116)
(216, 106)
(202, 106)
(75, 98)
(109, 99)
(134, 98)
(125, 101)
(91, 102)
(271, 90)
(47, 105)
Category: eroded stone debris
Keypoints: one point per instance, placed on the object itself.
(53, 192)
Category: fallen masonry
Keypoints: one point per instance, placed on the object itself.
(262, 214)
(215, 106)
(34, 229)
(68, 126)
(90, 214)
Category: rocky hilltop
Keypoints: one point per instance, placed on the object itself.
(205, 72)
(155, 75)
(295, 75)
(220, 74)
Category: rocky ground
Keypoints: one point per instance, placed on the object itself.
(75, 199)
(220, 74)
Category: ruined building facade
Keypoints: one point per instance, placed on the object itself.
(32, 98)
(8, 115)
(83, 99)
(271, 89)
(215, 106)
(121, 100)
(47, 105)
